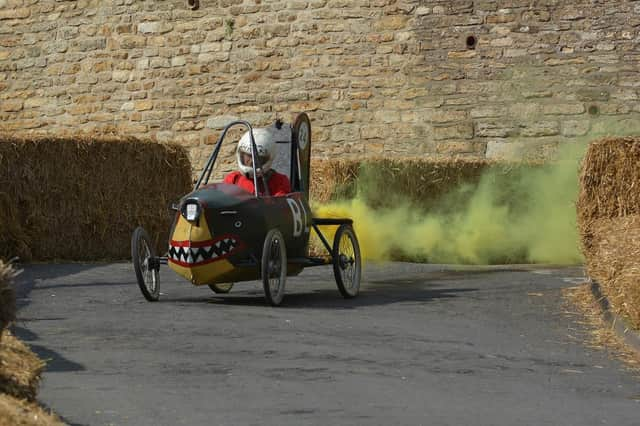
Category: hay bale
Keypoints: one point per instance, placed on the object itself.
(80, 198)
(608, 213)
(423, 186)
(424, 182)
(7, 297)
(17, 412)
(613, 259)
(332, 179)
(610, 180)
(20, 369)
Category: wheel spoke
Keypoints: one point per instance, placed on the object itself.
(274, 267)
(347, 261)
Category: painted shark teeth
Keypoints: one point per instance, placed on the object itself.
(203, 254)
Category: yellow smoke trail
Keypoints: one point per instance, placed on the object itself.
(538, 226)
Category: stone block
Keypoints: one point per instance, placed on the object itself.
(143, 105)
(132, 42)
(488, 111)
(455, 147)
(178, 61)
(11, 105)
(374, 132)
(154, 27)
(491, 129)
(86, 45)
(503, 150)
(563, 109)
(457, 131)
(159, 63)
(573, 128)
(462, 54)
(15, 13)
(120, 76)
(128, 128)
(541, 128)
(36, 102)
(446, 116)
(213, 57)
(219, 122)
(83, 78)
(390, 23)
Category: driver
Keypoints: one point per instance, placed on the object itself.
(277, 182)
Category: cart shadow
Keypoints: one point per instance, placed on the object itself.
(374, 294)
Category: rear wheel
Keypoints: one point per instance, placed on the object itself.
(223, 288)
(274, 267)
(145, 264)
(346, 261)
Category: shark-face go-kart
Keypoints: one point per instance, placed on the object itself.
(223, 235)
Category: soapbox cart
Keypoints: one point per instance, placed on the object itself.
(223, 235)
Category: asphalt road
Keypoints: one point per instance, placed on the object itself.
(421, 345)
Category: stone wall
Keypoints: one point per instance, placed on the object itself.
(378, 77)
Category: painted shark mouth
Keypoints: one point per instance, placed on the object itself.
(196, 253)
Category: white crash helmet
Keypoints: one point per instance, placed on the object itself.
(266, 146)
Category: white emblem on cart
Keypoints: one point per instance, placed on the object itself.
(299, 217)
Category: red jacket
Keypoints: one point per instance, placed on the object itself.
(278, 183)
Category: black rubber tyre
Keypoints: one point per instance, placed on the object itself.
(142, 255)
(223, 288)
(274, 267)
(347, 264)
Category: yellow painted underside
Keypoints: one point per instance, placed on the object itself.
(203, 274)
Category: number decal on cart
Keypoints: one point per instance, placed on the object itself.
(299, 216)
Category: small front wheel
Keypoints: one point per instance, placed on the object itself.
(145, 264)
(346, 261)
(274, 267)
(222, 288)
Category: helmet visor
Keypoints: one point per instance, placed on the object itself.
(246, 159)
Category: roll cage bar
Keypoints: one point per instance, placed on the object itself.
(255, 160)
(296, 171)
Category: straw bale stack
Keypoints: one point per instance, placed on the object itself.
(425, 185)
(19, 412)
(79, 198)
(332, 179)
(20, 369)
(7, 297)
(608, 211)
(384, 182)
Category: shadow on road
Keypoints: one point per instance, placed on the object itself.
(402, 291)
(31, 274)
(55, 362)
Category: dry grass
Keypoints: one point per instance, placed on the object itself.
(7, 297)
(331, 177)
(601, 335)
(79, 198)
(20, 368)
(613, 260)
(608, 212)
(17, 412)
(610, 180)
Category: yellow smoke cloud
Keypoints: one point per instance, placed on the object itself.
(530, 219)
